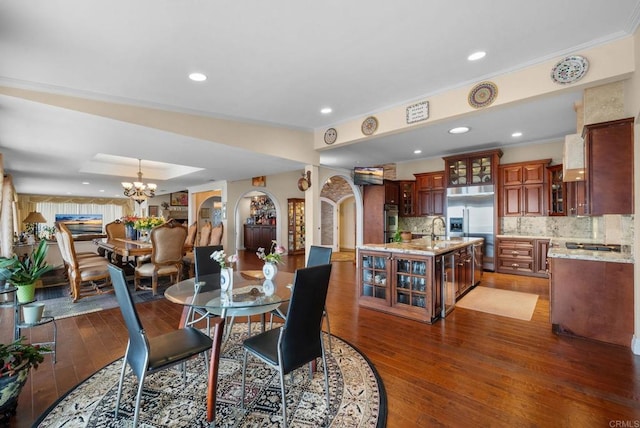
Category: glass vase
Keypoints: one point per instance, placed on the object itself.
(269, 270)
(226, 279)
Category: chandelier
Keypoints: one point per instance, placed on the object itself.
(138, 191)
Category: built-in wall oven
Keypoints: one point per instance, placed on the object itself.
(390, 222)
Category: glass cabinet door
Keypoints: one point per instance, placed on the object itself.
(374, 281)
(411, 282)
(481, 170)
(458, 172)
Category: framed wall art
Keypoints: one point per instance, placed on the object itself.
(154, 211)
(259, 181)
(179, 199)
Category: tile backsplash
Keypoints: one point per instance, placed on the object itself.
(610, 229)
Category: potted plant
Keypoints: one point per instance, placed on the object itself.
(15, 361)
(24, 273)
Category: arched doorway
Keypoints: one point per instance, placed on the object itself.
(338, 218)
(258, 216)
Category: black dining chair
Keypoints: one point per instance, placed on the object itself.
(299, 341)
(146, 355)
(317, 256)
(207, 278)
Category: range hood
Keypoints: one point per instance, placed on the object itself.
(573, 167)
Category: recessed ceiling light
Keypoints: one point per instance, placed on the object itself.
(85, 182)
(326, 110)
(417, 152)
(517, 134)
(101, 190)
(459, 130)
(197, 77)
(476, 56)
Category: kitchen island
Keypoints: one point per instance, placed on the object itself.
(591, 291)
(420, 279)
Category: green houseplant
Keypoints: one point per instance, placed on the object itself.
(16, 359)
(23, 273)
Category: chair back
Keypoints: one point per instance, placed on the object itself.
(68, 250)
(319, 255)
(216, 235)
(115, 229)
(191, 234)
(138, 347)
(207, 270)
(167, 243)
(300, 340)
(205, 234)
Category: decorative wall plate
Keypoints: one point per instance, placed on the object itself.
(330, 136)
(570, 69)
(369, 125)
(483, 94)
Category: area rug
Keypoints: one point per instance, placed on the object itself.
(357, 395)
(506, 303)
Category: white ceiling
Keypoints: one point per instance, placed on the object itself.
(275, 63)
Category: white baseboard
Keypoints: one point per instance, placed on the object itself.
(635, 345)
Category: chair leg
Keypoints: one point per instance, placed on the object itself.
(138, 400)
(326, 373)
(326, 317)
(122, 372)
(154, 283)
(284, 399)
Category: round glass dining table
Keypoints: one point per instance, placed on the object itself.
(248, 296)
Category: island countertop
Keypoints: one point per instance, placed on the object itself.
(422, 246)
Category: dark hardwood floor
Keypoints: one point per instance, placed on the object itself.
(471, 369)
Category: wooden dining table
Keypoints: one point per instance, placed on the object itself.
(127, 247)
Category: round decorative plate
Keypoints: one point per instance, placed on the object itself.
(369, 125)
(483, 94)
(330, 136)
(569, 70)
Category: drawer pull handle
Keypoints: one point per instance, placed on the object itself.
(515, 265)
(515, 252)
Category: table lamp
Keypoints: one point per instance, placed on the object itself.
(34, 218)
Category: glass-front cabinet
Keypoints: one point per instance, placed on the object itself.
(557, 191)
(399, 284)
(472, 169)
(295, 210)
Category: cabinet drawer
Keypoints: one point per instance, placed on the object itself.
(516, 251)
(511, 265)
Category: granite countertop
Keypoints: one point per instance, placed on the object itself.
(558, 250)
(422, 246)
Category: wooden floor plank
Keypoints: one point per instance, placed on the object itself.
(471, 369)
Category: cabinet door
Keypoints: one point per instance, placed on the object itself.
(540, 258)
(457, 172)
(576, 198)
(557, 191)
(481, 171)
(609, 156)
(511, 175)
(511, 200)
(425, 202)
(407, 198)
(375, 281)
(438, 201)
(533, 174)
(391, 193)
(533, 200)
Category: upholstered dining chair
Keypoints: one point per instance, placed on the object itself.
(317, 256)
(115, 230)
(190, 242)
(87, 268)
(146, 355)
(299, 341)
(167, 248)
(216, 234)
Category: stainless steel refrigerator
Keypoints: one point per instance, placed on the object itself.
(470, 213)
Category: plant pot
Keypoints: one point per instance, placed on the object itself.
(26, 293)
(32, 312)
(10, 388)
(406, 236)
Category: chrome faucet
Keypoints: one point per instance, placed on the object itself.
(433, 225)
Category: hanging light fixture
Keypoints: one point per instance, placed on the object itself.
(138, 191)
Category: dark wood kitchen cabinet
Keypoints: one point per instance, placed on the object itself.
(522, 188)
(522, 256)
(609, 167)
(592, 299)
(472, 169)
(258, 235)
(391, 192)
(557, 195)
(407, 206)
(430, 193)
(576, 198)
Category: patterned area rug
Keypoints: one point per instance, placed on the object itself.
(357, 396)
